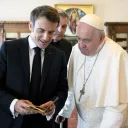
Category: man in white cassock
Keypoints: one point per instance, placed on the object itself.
(97, 78)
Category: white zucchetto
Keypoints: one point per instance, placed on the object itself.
(93, 20)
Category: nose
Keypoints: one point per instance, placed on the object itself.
(59, 29)
(82, 44)
(46, 36)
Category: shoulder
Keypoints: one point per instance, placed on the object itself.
(112, 50)
(14, 42)
(113, 47)
(54, 49)
(65, 41)
(56, 53)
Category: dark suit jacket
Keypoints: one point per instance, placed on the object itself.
(15, 77)
(65, 46)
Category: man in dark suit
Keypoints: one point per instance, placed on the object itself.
(61, 43)
(58, 40)
(17, 64)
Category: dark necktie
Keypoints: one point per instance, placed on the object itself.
(35, 77)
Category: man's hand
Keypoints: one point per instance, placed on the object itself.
(59, 119)
(22, 107)
(48, 108)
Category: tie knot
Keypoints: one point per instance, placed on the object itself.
(37, 50)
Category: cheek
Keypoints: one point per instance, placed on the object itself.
(51, 37)
(79, 45)
(91, 47)
(64, 30)
(63, 33)
(35, 34)
(95, 45)
(83, 45)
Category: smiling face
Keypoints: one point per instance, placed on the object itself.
(89, 39)
(42, 31)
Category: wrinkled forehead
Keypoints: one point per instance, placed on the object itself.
(45, 24)
(84, 29)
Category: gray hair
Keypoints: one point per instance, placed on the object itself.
(99, 32)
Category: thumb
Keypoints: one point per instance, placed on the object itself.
(47, 104)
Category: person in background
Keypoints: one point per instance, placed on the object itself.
(32, 72)
(97, 78)
(58, 40)
(61, 43)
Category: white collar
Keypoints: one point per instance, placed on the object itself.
(32, 44)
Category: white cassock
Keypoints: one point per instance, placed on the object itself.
(104, 103)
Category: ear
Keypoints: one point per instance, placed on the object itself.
(30, 26)
(102, 36)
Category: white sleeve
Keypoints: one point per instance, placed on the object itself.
(12, 108)
(114, 117)
(66, 111)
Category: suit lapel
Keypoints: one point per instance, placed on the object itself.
(46, 64)
(24, 52)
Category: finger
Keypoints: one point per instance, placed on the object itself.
(32, 112)
(27, 102)
(24, 105)
(51, 108)
(43, 114)
(47, 104)
(49, 113)
(20, 105)
(22, 112)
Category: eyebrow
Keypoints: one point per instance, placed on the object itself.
(46, 30)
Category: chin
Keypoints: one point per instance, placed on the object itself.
(58, 38)
(84, 52)
(43, 46)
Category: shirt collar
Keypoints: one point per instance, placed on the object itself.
(32, 44)
(54, 42)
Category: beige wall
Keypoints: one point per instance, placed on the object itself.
(108, 10)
